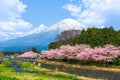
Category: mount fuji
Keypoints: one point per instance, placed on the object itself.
(41, 39)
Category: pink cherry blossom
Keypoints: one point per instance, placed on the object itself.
(83, 52)
(29, 54)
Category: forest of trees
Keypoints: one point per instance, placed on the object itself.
(92, 36)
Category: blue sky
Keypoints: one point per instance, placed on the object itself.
(46, 12)
(24, 17)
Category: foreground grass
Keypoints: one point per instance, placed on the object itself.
(8, 73)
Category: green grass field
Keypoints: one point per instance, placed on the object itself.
(8, 73)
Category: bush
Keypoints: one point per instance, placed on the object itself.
(7, 63)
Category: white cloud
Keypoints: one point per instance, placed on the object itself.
(40, 28)
(94, 12)
(15, 25)
(11, 34)
(11, 9)
(11, 24)
(74, 9)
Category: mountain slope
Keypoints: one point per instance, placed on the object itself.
(41, 39)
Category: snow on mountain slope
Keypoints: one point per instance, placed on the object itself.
(68, 24)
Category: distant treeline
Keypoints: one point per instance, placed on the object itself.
(92, 36)
(33, 49)
(11, 53)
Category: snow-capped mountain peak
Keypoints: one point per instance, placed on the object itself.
(68, 24)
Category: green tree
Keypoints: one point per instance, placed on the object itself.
(34, 49)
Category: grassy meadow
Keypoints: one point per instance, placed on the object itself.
(8, 73)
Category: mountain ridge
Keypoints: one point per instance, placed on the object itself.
(41, 39)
